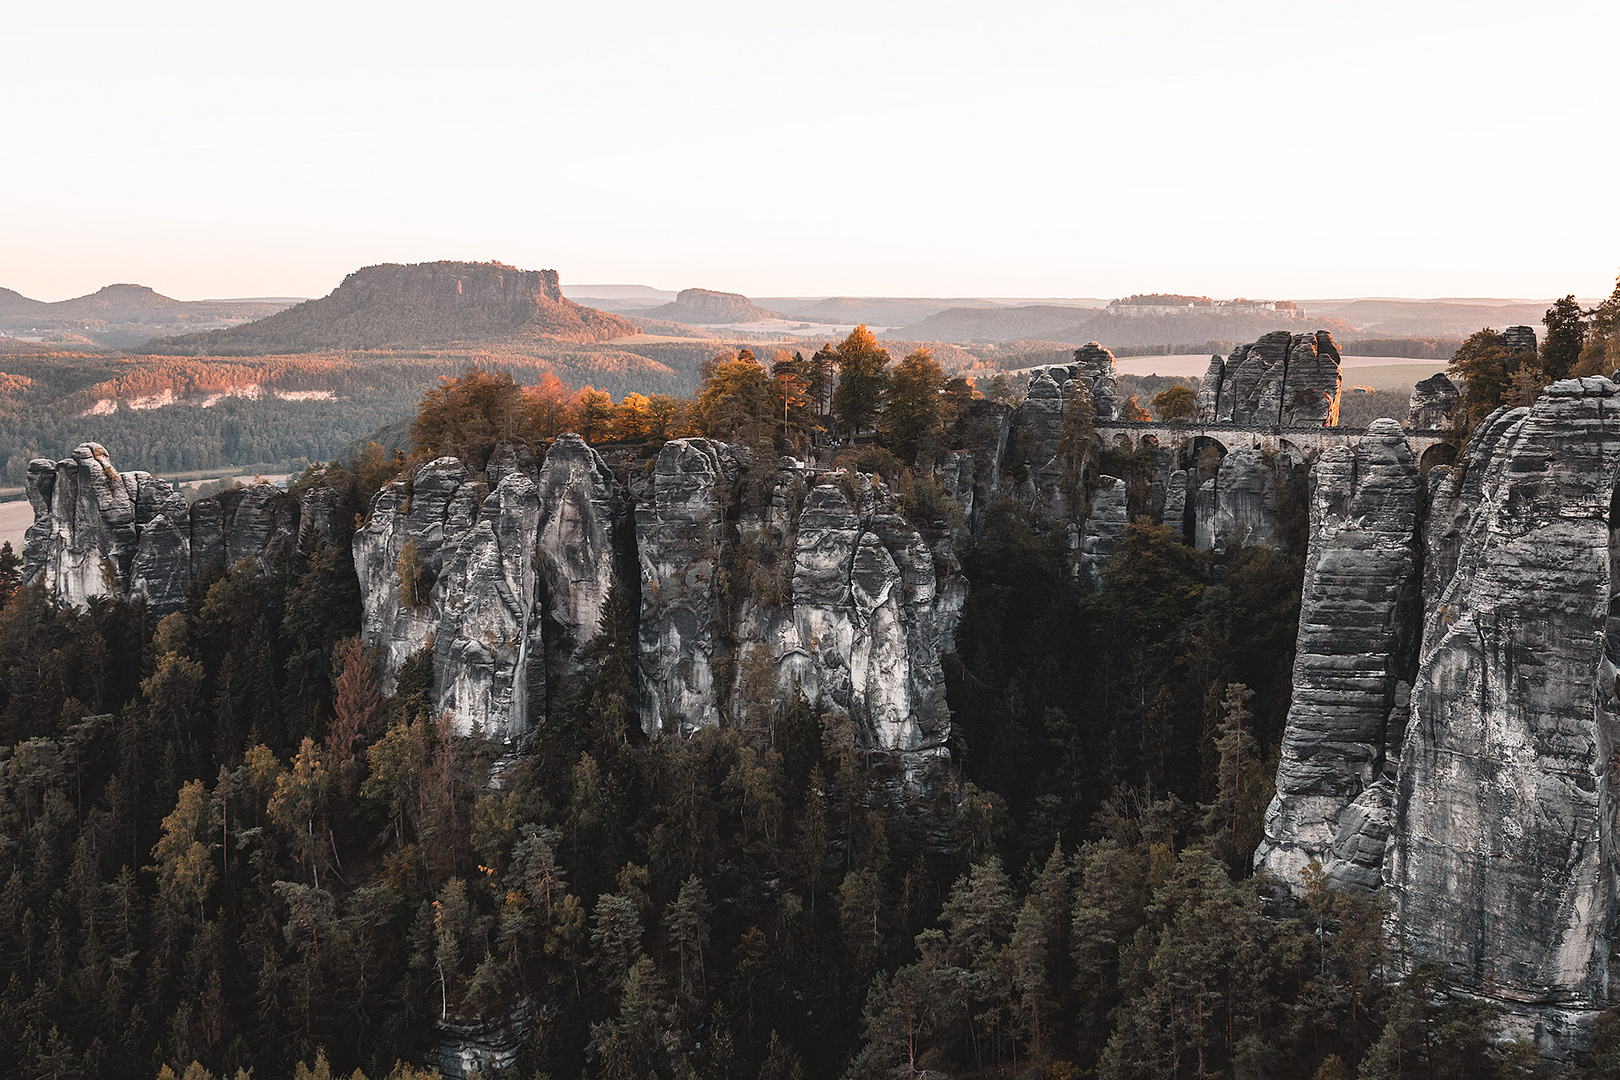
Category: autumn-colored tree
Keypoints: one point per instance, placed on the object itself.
(550, 408)
(863, 379)
(736, 391)
(1175, 404)
(595, 414)
(357, 714)
(476, 405)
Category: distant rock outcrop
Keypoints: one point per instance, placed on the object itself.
(416, 305)
(1284, 379)
(99, 532)
(707, 307)
(1433, 401)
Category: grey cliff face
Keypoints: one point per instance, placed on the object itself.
(1472, 776)
(1292, 380)
(1240, 504)
(1355, 645)
(681, 542)
(1433, 401)
(99, 532)
(1502, 858)
(584, 532)
(1037, 426)
(1105, 527)
(817, 585)
(1095, 365)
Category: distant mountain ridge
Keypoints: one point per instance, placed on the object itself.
(117, 316)
(416, 305)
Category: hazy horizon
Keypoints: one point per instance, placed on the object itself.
(1033, 150)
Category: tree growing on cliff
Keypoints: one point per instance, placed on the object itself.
(863, 380)
(1566, 334)
(913, 412)
(1176, 404)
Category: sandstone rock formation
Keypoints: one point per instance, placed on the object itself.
(1095, 364)
(817, 585)
(99, 532)
(1472, 777)
(1356, 643)
(1433, 400)
(1501, 860)
(681, 542)
(1288, 380)
(708, 307)
(1240, 504)
(1519, 339)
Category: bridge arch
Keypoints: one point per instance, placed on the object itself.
(1440, 453)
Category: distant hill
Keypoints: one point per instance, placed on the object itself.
(871, 310)
(705, 307)
(119, 316)
(995, 324)
(415, 306)
(1396, 318)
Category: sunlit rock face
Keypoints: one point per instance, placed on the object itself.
(1356, 644)
(1291, 380)
(99, 532)
(443, 560)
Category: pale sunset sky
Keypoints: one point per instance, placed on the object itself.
(1284, 150)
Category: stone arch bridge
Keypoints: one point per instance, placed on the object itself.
(1306, 443)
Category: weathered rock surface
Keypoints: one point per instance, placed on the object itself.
(1519, 339)
(1037, 427)
(1095, 365)
(1502, 859)
(681, 542)
(814, 584)
(99, 532)
(1356, 643)
(584, 540)
(1433, 401)
(1105, 527)
(1292, 380)
(1240, 504)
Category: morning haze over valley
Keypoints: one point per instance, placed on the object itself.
(991, 542)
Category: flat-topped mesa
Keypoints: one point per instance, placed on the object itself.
(1282, 380)
(99, 532)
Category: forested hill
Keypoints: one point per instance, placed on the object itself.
(420, 305)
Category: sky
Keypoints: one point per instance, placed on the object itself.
(1277, 150)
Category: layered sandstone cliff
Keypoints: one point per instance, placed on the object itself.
(1284, 379)
(1481, 797)
(99, 532)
